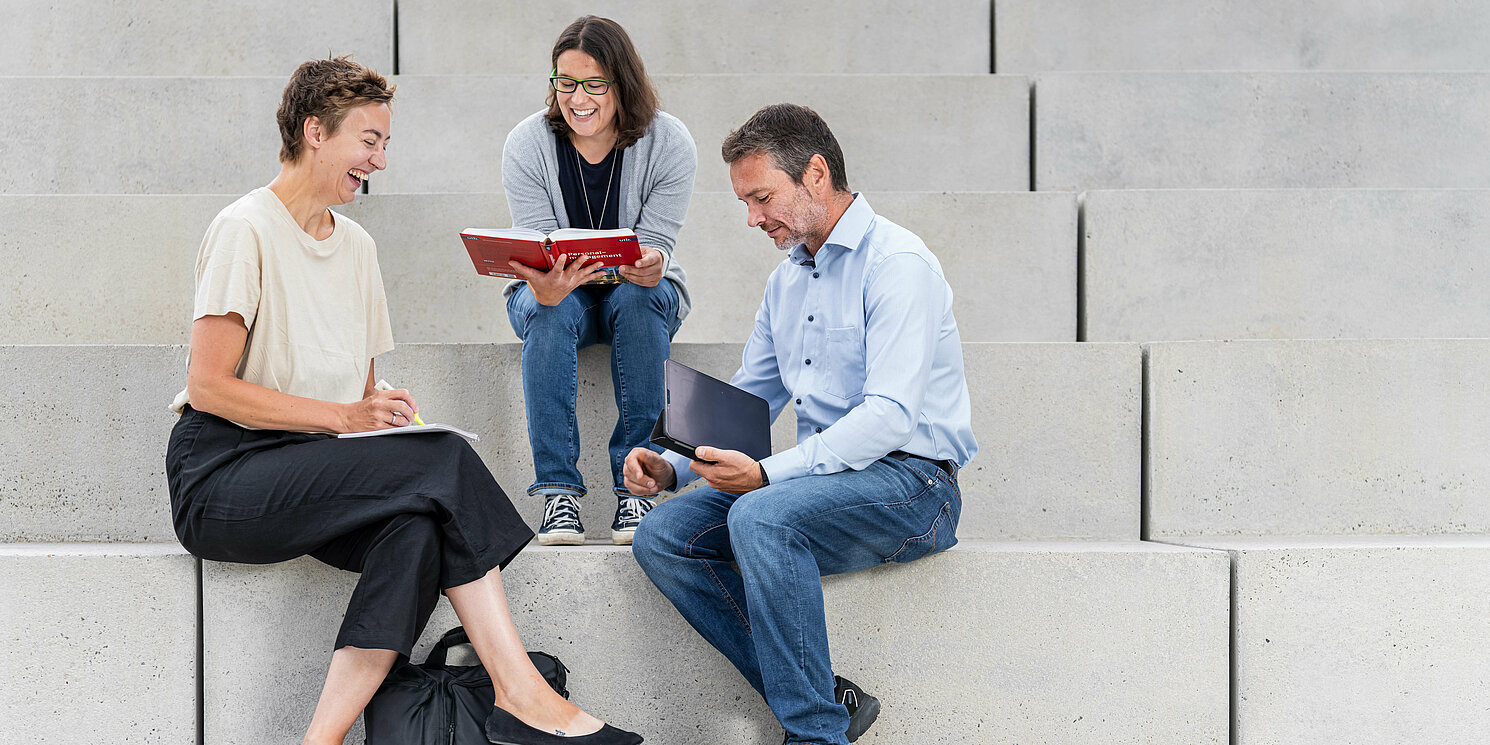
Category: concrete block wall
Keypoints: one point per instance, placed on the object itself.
(1059, 426)
(1349, 639)
(948, 643)
(1064, 454)
(456, 37)
(1343, 477)
(1188, 130)
(1071, 35)
(1317, 437)
(100, 643)
(450, 130)
(1008, 256)
(224, 37)
(1284, 263)
(902, 134)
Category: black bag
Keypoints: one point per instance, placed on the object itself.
(438, 704)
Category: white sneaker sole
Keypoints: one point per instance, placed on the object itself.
(622, 537)
(561, 539)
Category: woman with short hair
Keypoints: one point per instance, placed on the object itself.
(289, 312)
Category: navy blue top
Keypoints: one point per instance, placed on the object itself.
(579, 180)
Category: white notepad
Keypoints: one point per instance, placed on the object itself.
(414, 429)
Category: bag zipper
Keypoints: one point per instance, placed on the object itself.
(450, 720)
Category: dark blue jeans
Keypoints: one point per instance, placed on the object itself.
(638, 323)
(768, 618)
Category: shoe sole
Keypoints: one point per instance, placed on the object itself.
(622, 537)
(869, 710)
(561, 539)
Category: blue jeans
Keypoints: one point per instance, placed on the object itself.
(638, 323)
(768, 618)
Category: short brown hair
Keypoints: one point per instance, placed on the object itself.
(327, 89)
(790, 134)
(605, 40)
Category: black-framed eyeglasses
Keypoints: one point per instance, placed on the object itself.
(566, 84)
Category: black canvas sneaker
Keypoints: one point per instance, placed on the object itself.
(629, 514)
(561, 525)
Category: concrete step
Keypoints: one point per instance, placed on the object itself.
(100, 643)
(1010, 257)
(240, 37)
(201, 135)
(1302, 264)
(1339, 437)
(1158, 130)
(1044, 35)
(897, 131)
(448, 37)
(1355, 639)
(1058, 426)
(989, 642)
(194, 135)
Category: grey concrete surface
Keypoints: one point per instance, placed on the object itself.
(466, 36)
(1059, 441)
(1010, 257)
(479, 388)
(1038, 642)
(898, 132)
(87, 460)
(1297, 264)
(1360, 639)
(236, 37)
(100, 269)
(164, 135)
(1058, 428)
(1058, 425)
(200, 135)
(1156, 130)
(100, 644)
(1317, 437)
(1044, 35)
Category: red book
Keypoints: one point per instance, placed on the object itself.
(492, 248)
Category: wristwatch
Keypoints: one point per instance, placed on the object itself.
(764, 481)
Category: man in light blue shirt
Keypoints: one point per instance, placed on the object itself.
(856, 333)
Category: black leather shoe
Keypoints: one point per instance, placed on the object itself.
(504, 729)
(863, 708)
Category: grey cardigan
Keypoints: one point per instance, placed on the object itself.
(656, 184)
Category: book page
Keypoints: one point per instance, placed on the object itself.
(569, 234)
(413, 429)
(514, 234)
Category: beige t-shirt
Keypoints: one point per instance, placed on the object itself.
(315, 310)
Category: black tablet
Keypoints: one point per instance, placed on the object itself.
(702, 410)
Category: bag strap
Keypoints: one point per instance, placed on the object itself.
(452, 638)
(556, 675)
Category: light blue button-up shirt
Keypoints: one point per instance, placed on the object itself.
(861, 341)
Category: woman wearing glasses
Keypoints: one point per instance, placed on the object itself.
(600, 156)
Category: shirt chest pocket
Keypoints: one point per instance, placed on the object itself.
(845, 373)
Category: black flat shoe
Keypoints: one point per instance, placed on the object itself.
(504, 729)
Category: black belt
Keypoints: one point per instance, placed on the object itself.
(946, 465)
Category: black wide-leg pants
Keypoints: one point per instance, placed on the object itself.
(414, 514)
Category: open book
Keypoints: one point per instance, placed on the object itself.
(414, 429)
(492, 248)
